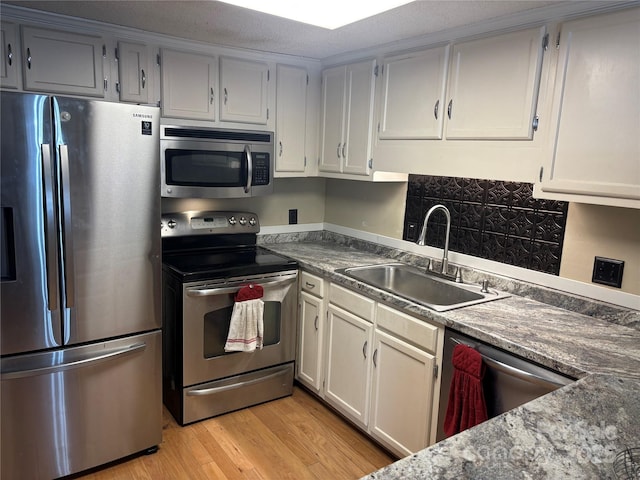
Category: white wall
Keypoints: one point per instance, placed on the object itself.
(594, 230)
(305, 194)
(371, 207)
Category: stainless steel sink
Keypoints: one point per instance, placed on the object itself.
(420, 286)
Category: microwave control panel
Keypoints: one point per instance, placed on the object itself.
(261, 170)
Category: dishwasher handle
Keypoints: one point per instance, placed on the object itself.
(514, 371)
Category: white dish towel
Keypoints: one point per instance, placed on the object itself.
(246, 329)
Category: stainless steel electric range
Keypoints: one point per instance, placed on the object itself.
(207, 257)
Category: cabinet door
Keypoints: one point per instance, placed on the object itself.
(243, 87)
(9, 52)
(62, 62)
(133, 72)
(359, 94)
(333, 110)
(291, 116)
(595, 109)
(347, 379)
(402, 395)
(310, 346)
(413, 95)
(493, 86)
(188, 85)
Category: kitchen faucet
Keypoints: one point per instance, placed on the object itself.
(423, 234)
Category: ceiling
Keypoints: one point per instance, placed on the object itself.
(223, 24)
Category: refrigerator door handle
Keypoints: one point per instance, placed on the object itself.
(67, 226)
(75, 363)
(50, 243)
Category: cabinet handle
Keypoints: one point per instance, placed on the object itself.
(211, 97)
(144, 78)
(310, 285)
(225, 95)
(343, 147)
(9, 54)
(338, 150)
(375, 358)
(449, 108)
(315, 323)
(364, 348)
(29, 58)
(435, 109)
(280, 154)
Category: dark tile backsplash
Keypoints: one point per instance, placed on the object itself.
(490, 219)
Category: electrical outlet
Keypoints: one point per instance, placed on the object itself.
(293, 216)
(608, 271)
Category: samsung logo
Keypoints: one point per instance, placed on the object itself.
(142, 115)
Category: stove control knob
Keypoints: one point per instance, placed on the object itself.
(252, 221)
(232, 220)
(243, 221)
(171, 224)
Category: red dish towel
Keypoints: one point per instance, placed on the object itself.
(246, 329)
(466, 407)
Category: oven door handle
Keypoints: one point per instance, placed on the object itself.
(205, 292)
(233, 386)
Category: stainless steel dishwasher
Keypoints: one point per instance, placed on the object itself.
(509, 381)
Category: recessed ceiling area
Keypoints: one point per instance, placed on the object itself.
(228, 25)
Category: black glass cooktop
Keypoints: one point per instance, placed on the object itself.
(225, 262)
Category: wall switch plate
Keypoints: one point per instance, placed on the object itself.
(293, 216)
(608, 271)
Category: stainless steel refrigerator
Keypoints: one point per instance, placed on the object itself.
(81, 284)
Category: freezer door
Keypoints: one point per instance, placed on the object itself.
(30, 315)
(110, 217)
(80, 407)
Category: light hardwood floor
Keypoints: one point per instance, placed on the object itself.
(296, 437)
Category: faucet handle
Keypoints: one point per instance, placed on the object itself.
(458, 275)
(430, 266)
(485, 284)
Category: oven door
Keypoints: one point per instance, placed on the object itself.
(207, 309)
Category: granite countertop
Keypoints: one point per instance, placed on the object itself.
(574, 432)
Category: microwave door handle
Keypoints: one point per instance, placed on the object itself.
(247, 152)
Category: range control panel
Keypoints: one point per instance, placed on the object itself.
(208, 223)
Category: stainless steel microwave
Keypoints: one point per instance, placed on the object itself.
(198, 162)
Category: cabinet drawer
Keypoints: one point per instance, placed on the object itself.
(312, 284)
(409, 328)
(352, 302)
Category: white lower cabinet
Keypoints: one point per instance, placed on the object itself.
(311, 332)
(347, 382)
(375, 365)
(402, 390)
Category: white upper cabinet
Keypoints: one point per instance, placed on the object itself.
(333, 106)
(9, 50)
(493, 86)
(63, 62)
(243, 91)
(188, 85)
(595, 157)
(347, 118)
(412, 99)
(291, 116)
(134, 72)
